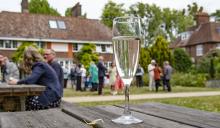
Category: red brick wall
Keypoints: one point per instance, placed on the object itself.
(70, 51)
(107, 56)
(49, 44)
(7, 53)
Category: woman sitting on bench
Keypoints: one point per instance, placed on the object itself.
(42, 74)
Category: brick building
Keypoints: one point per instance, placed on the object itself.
(66, 35)
(199, 39)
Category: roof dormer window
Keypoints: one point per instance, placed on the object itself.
(57, 24)
(61, 24)
(53, 24)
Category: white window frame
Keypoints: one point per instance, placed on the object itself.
(11, 44)
(98, 48)
(61, 24)
(40, 44)
(103, 48)
(199, 50)
(53, 24)
(75, 49)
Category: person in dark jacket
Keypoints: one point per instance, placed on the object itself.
(42, 74)
(49, 56)
(101, 73)
(78, 78)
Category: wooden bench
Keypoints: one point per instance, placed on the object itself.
(12, 97)
(51, 118)
(154, 115)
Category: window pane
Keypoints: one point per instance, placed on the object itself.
(53, 24)
(14, 44)
(75, 47)
(1, 44)
(40, 44)
(61, 24)
(7, 44)
(199, 50)
(103, 48)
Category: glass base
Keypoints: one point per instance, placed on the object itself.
(127, 119)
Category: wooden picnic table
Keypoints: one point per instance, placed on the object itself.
(13, 96)
(154, 115)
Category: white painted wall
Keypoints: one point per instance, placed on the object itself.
(60, 47)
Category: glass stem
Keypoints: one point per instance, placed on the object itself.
(127, 108)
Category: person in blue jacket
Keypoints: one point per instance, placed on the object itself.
(42, 74)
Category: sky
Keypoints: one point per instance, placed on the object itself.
(94, 8)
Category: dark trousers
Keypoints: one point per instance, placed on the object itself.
(65, 82)
(157, 84)
(94, 87)
(101, 84)
(78, 83)
(167, 84)
(139, 81)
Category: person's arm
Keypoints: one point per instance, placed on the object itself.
(35, 75)
(14, 71)
(142, 70)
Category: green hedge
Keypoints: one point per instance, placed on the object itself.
(188, 80)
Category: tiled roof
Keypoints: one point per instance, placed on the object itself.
(178, 43)
(25, 25)
(206, 32)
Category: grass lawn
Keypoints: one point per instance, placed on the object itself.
(69, 92)
(207, 103)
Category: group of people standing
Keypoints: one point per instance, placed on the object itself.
(95, 77)
(156, 74)
(41, 70)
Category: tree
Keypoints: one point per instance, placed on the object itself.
(68, 12)
(42, 7)
(216, 14)
(157, 21)
(87, 54)
(182, 61)
(160, 51)
(194, 8)
(144, 58)
(110, 11)
(17, 57)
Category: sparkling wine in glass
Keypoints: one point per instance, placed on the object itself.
(126, 46)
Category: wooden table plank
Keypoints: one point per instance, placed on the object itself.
(107, 113)
(183, 115)
(51, 118)
(20, 90)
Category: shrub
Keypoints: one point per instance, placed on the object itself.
(188, 80)
(182, 61)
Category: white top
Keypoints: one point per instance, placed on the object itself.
(83, 72)
(151, 69)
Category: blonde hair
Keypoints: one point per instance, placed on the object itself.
(31, 55)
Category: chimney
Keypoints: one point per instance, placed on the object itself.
(76, 10)
(201, 17)
(24, 6)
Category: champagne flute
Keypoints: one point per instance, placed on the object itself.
(126, 46)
